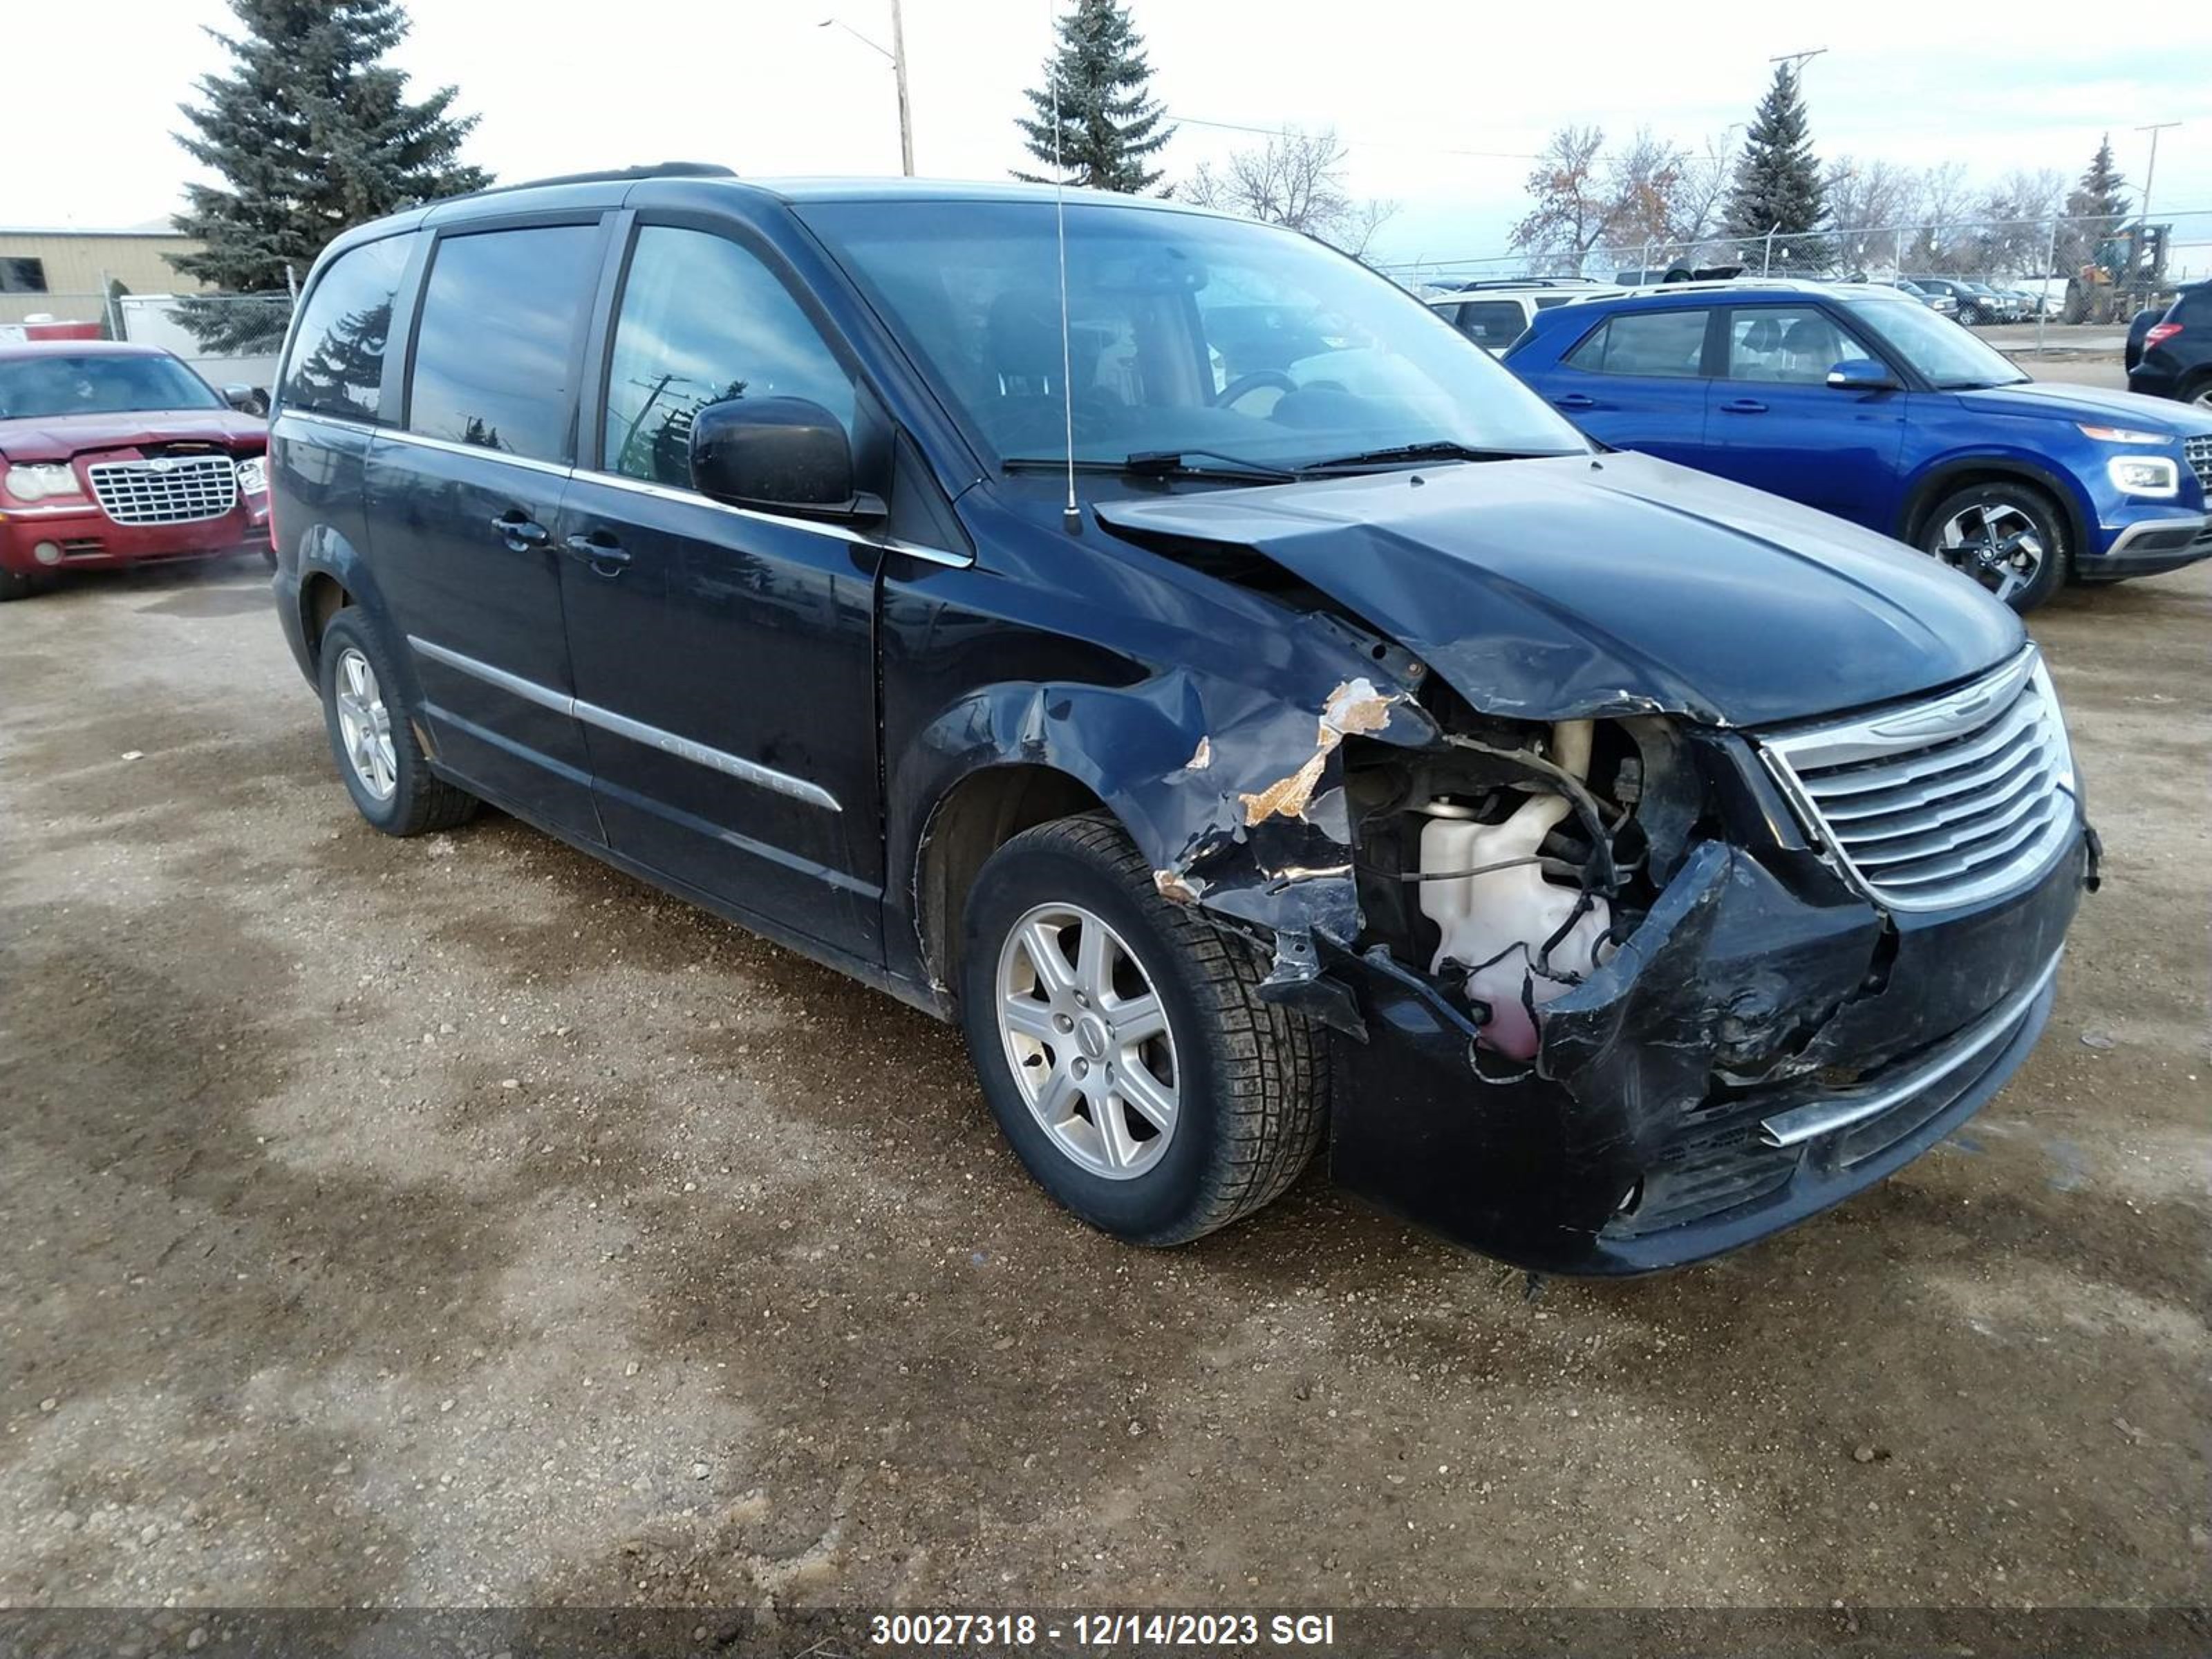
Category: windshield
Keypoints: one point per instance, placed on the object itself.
(1951, 359)
(1187, 334)
(98, 385)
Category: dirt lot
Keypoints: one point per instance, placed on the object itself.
(457, 1221)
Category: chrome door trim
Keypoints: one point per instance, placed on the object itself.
(622, 726)
(423, 440)
(788, 520)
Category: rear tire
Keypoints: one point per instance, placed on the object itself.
(2197, 389)
(1245, 1079)
(372, 733)
(2009, 536)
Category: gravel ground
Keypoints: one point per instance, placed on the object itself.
(457, 1221)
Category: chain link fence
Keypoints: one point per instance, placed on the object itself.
(2064, 269)
(229, 338)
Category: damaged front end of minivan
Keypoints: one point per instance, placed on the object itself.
(1608, 989)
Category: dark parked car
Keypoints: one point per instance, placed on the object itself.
(1256, 734)
(2174, 358)
(1859, 402)
(112, 454)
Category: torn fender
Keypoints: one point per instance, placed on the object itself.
(1232, 792)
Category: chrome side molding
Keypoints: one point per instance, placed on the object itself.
(673, 743)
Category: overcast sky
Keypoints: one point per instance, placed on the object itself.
(1417, 90)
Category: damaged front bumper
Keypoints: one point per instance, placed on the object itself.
(1761, 1048)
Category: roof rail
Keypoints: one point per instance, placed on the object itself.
(1482, 284)
(1724, 285)
(609, 176)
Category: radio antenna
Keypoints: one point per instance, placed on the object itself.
(1071, 515)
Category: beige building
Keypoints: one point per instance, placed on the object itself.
(65, 273)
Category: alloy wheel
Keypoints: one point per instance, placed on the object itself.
(365, 724)
(1087, 1037)
(1998, 543)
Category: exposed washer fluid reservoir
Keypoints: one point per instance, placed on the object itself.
(1495, 924)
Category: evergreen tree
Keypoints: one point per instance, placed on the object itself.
(1778, 179)
(1109, 123)
(311, 134)
(2103, 193)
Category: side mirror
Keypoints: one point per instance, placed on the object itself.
(1861, 375)
(778, 454)
(244, 399)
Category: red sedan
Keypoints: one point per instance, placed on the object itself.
(114, 453)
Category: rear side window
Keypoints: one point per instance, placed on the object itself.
(1665, 345)
(496, 351)
(704, 321)
(1494, 322)
(338, 350)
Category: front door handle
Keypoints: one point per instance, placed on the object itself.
(1574, 400)
(605, 556)
(1744, 406)
(519, 530)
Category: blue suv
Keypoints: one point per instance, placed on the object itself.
(1867, 405)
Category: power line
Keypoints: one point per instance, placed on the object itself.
(1355, 143)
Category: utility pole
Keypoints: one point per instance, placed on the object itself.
(2151, 274)
(1797, 60)
(894, 54)
(2151, 174)
(898, 72)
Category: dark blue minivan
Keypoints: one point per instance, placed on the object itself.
(1852, 398)
(1157, 642)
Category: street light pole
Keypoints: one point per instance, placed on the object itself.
(894, 54)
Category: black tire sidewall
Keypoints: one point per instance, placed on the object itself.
(1159, 1206)
(392, 814)
(2050, 522)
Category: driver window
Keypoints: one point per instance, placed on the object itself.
(1788, 345)
(704, 321)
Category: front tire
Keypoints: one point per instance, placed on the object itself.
(1122, 1044)
(2009, 537)
(372, 736)
(16, 585)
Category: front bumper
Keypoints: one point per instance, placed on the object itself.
(83, 536)
(1634, 1143)
(2160, 541)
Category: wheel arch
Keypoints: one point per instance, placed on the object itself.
(978, 813)
(1960, 472)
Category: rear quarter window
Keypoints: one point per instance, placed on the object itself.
(1663, 345)
(336, 362)
(1493, 323)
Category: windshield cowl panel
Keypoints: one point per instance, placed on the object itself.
(1187, 334)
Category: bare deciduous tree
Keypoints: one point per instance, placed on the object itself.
(1296, 179)
(1643, 185)
(1572, 204)
(1866, 200)
(1701, 187)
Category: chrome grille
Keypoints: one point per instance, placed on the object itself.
(179, 490)
(2199, 451)
(1939, 803)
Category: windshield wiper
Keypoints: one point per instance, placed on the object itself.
(1161, 464)
(1175, 464)
(1438, 450)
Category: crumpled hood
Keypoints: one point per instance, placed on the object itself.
(59, 437)
(1557, 589)
(2095, 404)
